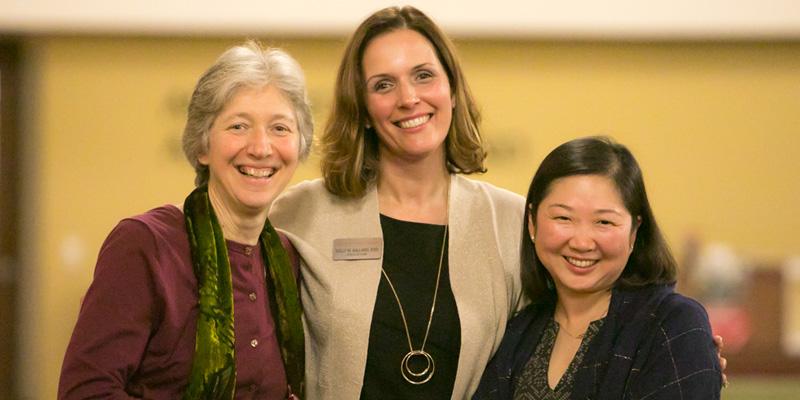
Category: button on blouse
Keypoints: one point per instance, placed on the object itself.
(248, 275)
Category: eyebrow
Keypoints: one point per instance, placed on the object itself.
(600, 211)
(414, 68)
(279, 116)
(282, 117)
(425, 64)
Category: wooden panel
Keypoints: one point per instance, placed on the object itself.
(763, 353)
(9, 56)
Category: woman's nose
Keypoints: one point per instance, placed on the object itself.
(260, 144)
(408, 95)
(582, 240)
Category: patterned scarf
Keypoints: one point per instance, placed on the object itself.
(213, 373)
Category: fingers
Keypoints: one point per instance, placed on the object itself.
(718, 342)
(723, 362)
(724, 380)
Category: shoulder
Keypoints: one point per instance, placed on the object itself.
(300, 198)
(145, 242)
(309, 205)
(522, 331)
(160, 220)
(679, 313)
(285, 209)
(527, 316)
(659, 302)
(658, 309)
(147, 247)
(165, 223)
(662, 302)
(303, 189)
(505, 208)
(495, 194)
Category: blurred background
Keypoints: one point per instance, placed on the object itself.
(705, 93)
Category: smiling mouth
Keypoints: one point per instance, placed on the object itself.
(257, 172)
(414, 122)
(580, 263)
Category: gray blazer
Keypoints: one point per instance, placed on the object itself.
(339, 296)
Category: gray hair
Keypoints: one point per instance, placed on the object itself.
(247, 65)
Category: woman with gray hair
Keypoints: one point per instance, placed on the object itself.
(158, 320)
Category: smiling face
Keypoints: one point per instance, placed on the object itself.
(583, 234)
(253, 150)
(407, 94)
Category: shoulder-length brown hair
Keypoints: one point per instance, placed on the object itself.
(350, 150)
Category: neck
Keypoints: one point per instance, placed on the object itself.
(237, 224)
(577, 311)
(414, 191)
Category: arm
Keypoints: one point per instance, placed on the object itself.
(682, 360)
(519, 342)
(496, 381)
(115, 320)
(491, 381)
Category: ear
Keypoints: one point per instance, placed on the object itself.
(634, 230)
(203, 158)
(531, 228)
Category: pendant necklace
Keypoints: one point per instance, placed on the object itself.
(418, 377)
(410, 375)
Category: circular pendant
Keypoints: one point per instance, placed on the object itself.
(417, 377)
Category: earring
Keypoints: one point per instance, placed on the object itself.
(533, 238)
(368, 125)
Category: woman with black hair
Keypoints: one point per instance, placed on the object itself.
(605, 322)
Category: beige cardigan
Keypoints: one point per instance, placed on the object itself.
(339, 296)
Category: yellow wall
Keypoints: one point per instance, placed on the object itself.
(715, 127)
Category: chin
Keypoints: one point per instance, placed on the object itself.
(256, 203)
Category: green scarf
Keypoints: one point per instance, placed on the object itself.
(213, 373)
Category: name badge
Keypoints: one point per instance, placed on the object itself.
(357, 249)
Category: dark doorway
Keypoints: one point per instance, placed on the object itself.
(9, 210)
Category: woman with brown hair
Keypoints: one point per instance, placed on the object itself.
(410, 269)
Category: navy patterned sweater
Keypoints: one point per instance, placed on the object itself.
(654, 344)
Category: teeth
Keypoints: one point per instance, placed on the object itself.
(257, 172)
(412, 123)
(580, 263)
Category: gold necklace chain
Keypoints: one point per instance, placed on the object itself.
(578, 336)
(411, 376)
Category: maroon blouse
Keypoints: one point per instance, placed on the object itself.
(135, 333)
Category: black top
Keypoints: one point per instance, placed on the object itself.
(411, 254)
(533, 383)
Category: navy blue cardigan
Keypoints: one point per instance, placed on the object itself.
(654, 344)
